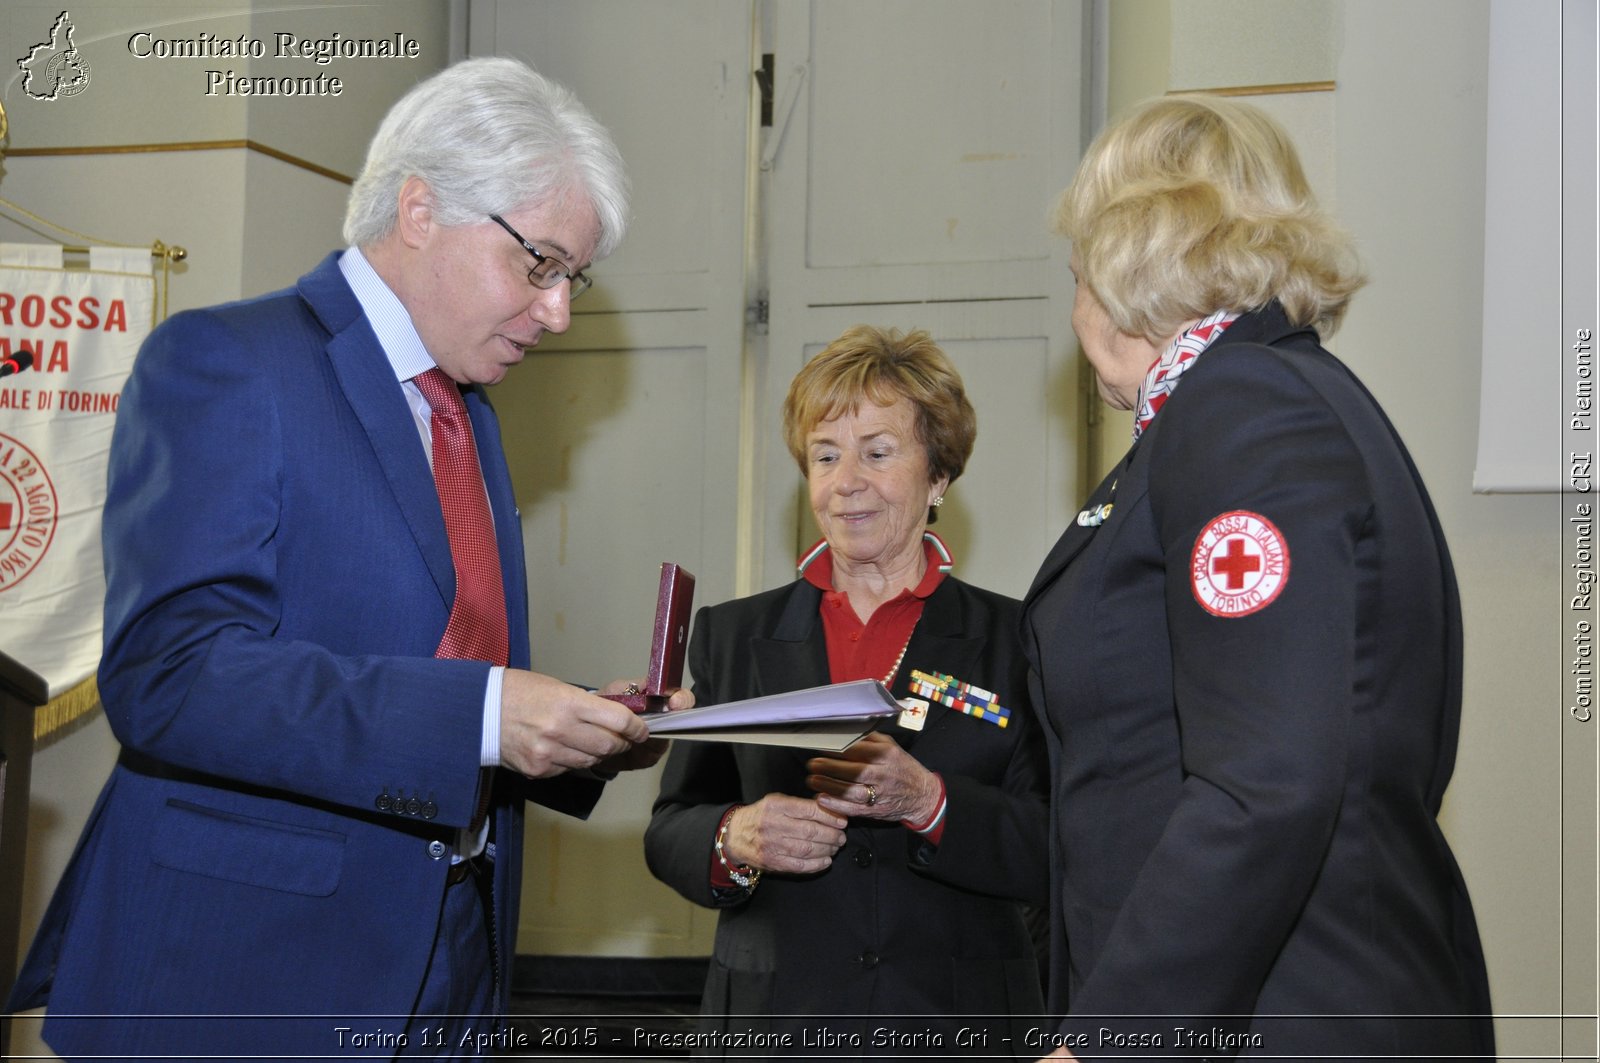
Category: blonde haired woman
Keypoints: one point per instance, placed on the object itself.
(1247, 648)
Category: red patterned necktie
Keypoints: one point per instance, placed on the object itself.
(477, 629)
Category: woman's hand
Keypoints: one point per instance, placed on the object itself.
(875, 779)
(783, 833)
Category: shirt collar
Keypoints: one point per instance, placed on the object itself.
(816, 565)
(387, 315)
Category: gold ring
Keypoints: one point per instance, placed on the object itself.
(872, 795)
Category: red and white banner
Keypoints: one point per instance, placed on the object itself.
(67, 342)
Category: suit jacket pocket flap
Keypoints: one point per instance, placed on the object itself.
(256, 852)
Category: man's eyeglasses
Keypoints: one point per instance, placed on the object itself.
(546, 272)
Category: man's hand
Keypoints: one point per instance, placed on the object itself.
(784, 833)
(548, 727)
(648, 753)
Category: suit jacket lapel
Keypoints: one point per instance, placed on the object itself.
(368, 382)
(794, 656)
(939, 643)
(1078, 536)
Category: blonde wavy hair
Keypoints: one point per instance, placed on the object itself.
(1193, 204)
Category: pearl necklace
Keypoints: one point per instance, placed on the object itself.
(889, 679)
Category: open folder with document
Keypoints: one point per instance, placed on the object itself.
(828, 718)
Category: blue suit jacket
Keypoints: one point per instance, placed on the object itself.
(278, 578)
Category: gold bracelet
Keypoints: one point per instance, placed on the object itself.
(743, 875)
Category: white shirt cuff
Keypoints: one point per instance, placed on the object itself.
(489, 752)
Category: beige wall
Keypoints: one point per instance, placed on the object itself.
(1403, 138)
(1411, 133)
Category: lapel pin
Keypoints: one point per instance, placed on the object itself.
(1095, 516)
(913, 713)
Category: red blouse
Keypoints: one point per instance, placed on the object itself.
(870, 650)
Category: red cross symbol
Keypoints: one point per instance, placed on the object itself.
(1235, 564)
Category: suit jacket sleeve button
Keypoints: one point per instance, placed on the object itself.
(869, 959)
(385, 802)
(413, 806)
(429, 810)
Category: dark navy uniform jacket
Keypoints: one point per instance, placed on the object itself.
(1250, 681)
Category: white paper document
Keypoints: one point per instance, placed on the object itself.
(826, 718)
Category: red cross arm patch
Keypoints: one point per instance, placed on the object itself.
(1240, 564)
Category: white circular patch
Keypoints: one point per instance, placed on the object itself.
(1240, 564)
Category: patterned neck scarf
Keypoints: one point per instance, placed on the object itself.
(1173, 363)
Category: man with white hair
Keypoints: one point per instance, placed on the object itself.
(316, 655)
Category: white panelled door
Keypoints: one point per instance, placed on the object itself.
(623, 434)
(911, 189)
(914, 150)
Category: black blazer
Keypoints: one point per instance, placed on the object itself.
(895, 925)
(1244, 805)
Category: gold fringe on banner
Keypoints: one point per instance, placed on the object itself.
(65, 709)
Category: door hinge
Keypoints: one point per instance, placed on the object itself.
(781, 115)
(764, 83)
